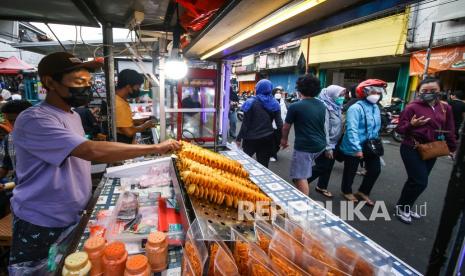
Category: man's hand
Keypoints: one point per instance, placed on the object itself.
(329, 154)
(238, 143)
(359, 155)
(415, 122)
(284, 143)
(148, 124)
(168, 146)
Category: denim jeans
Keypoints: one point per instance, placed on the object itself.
(232, 124)
(418, 171)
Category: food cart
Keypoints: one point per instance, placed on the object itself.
(212, 221)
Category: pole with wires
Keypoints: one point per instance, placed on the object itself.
(56, 37)
(428, 52)
(109, 69)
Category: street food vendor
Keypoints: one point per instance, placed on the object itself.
(53, 158)
(128, 87)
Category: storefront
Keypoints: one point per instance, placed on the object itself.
(348, 56)
(447, 63)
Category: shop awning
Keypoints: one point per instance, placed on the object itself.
(13, 65)
(246, 27)
(442, 59)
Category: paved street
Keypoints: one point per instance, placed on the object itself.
(411, 243)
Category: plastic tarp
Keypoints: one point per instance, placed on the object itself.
(198, 13)
(13, 65)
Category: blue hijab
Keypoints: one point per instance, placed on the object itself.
(263, 89)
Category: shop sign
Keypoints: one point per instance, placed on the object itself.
(262, 62)
(442, 59)
(248, 60)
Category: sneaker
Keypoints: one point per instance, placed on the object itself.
(415, 215)
(404, 217)
(272, 159)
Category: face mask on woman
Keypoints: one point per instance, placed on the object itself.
(429, 97)
(340, 100)
(374, 98)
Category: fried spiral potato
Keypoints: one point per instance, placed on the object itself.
(219, 190)
(211, 159)
(186, 164)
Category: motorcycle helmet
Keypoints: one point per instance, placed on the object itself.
(366, 86)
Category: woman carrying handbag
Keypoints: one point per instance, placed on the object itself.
(428, 126)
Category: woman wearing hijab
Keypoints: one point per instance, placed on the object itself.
(256, 133)
(333, 97)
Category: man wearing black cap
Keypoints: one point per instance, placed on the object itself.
(52, 158)
(128, 86)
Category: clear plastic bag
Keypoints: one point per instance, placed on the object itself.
(195, 252)
(352, 256)
(264, 234)
(309, 252)
(224, 261)
(250, 259)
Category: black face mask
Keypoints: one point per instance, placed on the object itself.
(79, 96)
(134, 94)
(429, 97)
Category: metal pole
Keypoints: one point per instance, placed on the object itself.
(155, 88)
(161, 69)
(226, 84)
(109, 69)
(428, 52)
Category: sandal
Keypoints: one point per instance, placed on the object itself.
(324, 192)
(350, 197)
(363, 197)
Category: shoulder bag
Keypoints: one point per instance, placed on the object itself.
(434, 149)
(372, 147)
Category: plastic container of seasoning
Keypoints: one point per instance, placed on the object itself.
(94, 246)
(137, 265)
(114, 259)
(156, 250)
(76, 264)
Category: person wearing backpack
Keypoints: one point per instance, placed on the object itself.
(361, 140)
(257, 134)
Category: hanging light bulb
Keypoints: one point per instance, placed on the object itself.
(175, 69)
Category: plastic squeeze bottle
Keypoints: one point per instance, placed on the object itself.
(76, 264)
(137, 265)
(94, 246)
(156, 250)
(114, 259)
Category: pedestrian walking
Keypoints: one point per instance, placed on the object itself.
(333, 97)
(361, 141)
(256, 133)
(278, 95)
(233, 105)
(424, 121)
(308, 117)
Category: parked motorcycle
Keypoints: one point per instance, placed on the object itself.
(390, 119)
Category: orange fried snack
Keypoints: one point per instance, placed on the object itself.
(211, 264)
(241, 256)
(361, 268)
(219, 190)
(194, 259)
(211, 159)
